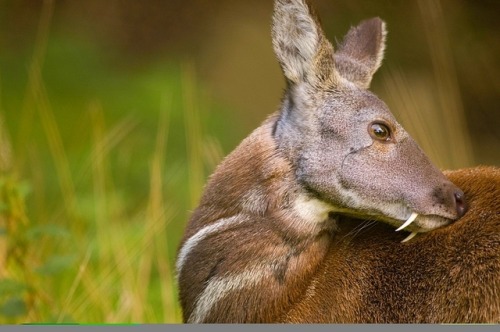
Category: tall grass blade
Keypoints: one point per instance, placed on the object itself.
(29, 104)
(454, 125)
(193, 133)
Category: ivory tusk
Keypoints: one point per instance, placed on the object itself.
(408, 222)
(409, 237)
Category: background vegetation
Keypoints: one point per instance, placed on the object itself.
(113, 114)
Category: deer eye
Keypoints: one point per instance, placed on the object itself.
(379, 131)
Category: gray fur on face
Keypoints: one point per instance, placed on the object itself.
(323, 128)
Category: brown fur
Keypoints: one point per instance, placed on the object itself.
(450, 275)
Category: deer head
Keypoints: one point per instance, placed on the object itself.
(345, 146)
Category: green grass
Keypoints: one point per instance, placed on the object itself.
(99, 155)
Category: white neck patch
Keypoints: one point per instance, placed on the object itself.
(311, 210)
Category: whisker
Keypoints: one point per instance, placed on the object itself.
(365, 225)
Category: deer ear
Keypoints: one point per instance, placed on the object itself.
(361, 52)
(304, 53)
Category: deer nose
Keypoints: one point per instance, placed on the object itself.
(460, 203)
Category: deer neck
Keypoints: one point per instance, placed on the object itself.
(282, 232)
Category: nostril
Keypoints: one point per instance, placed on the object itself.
(460, 203)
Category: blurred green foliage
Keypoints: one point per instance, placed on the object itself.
(106, 215)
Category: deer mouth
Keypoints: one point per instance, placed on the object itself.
(421, 224)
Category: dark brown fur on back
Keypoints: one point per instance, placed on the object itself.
(450, 275)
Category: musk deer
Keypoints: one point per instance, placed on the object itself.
(270, 242)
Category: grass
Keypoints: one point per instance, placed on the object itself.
(103, 229)
(91, 236)
(100, 167)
